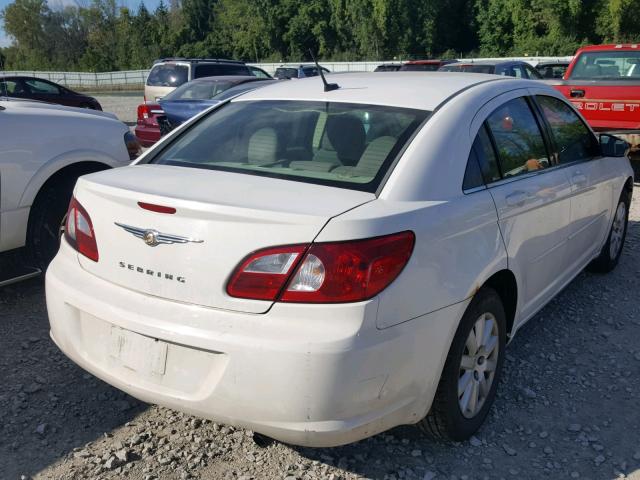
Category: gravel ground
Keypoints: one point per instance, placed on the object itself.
(123, 104)
(567, 407)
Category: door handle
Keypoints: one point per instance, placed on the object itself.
(576, 93)
(516, 199)
(579, 179)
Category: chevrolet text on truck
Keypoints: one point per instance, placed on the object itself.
(603, 83)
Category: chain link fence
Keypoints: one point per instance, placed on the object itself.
(135, 79)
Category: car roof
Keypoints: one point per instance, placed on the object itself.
(493, 63)
(424, 62)
(611, 46)
(420, 90)
(226, 78)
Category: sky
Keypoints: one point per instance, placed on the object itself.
(6, 41)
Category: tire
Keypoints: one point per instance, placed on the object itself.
(612, 249)
(46, 221)
(446, 419)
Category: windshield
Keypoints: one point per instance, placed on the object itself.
(243, 87)
(168, 75)
(286, 73)
(198, 90)
(468, 68)
(620, 65)
(337, 144)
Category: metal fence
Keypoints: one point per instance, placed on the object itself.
(136, 78)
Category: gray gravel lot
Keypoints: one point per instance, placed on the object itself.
(567, 407)
(123, 104)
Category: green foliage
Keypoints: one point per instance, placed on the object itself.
(99, 35)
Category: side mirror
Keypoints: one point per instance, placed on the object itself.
(612, 146)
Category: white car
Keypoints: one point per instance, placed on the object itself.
(43, 150)
(322, 266)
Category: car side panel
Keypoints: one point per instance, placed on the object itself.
(458, 246)
(27, 162)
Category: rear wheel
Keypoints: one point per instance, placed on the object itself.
(471, 373)
(46, 221)
(612, 249)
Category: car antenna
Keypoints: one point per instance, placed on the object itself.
(327, 86)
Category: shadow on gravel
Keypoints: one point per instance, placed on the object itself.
(48, 405)
(566, 406)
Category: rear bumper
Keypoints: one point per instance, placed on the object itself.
(147, 136)
(309, 376)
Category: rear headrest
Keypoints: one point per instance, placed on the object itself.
(347, 136)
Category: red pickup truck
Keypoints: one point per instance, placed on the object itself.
(603, 82)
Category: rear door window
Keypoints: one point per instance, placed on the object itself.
(40, 87)
(573, 139)
(218, 69)
(518, 138)
(482, 166)
(168, 75)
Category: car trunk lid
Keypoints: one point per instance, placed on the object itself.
(221, 217)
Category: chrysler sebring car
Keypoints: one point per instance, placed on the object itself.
(322, 264)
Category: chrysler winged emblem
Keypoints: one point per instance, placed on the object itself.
(154, 238)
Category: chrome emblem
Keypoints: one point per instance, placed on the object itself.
(154, 238)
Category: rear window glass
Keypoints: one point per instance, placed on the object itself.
(468, 68)
(618, 65)
(429, 67)
(168, 75)
(198, 91)
(286, 73)
(215, 70)
(337, 144)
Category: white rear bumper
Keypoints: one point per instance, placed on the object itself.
(309, 375)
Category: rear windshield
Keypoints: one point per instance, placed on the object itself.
(168, 75)
(337, 144)
(618, 65)
(198, 90)
(286, 73)
(468, 68)
(425, 67)
(218, 69)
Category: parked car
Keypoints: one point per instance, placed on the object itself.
(552, 69)
(258, 72)
(147, 128)
(169, 73)
(602, 82)
(388, 67)
(302, 71)
(43, 150)
(424, 65)
(320, 266)
(198, 95)
(506, 68)
(32, 88)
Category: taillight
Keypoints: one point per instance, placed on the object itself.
(332, 272)
(263, 274)
(79, 231)
(133, 145)
(143, 111)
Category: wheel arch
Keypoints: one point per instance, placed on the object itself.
(506, 286)
(73, 170)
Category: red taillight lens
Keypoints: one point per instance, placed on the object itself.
(143, 111)
(332, 272)
(264, 273)
(79, 231)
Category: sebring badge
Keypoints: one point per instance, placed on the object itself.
(153, 237)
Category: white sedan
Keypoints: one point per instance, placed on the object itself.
(44, 148)
(322, 266)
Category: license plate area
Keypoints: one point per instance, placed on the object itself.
(141, 354)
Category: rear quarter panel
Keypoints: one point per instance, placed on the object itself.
(35, 145)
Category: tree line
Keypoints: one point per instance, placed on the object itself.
(99, 35)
